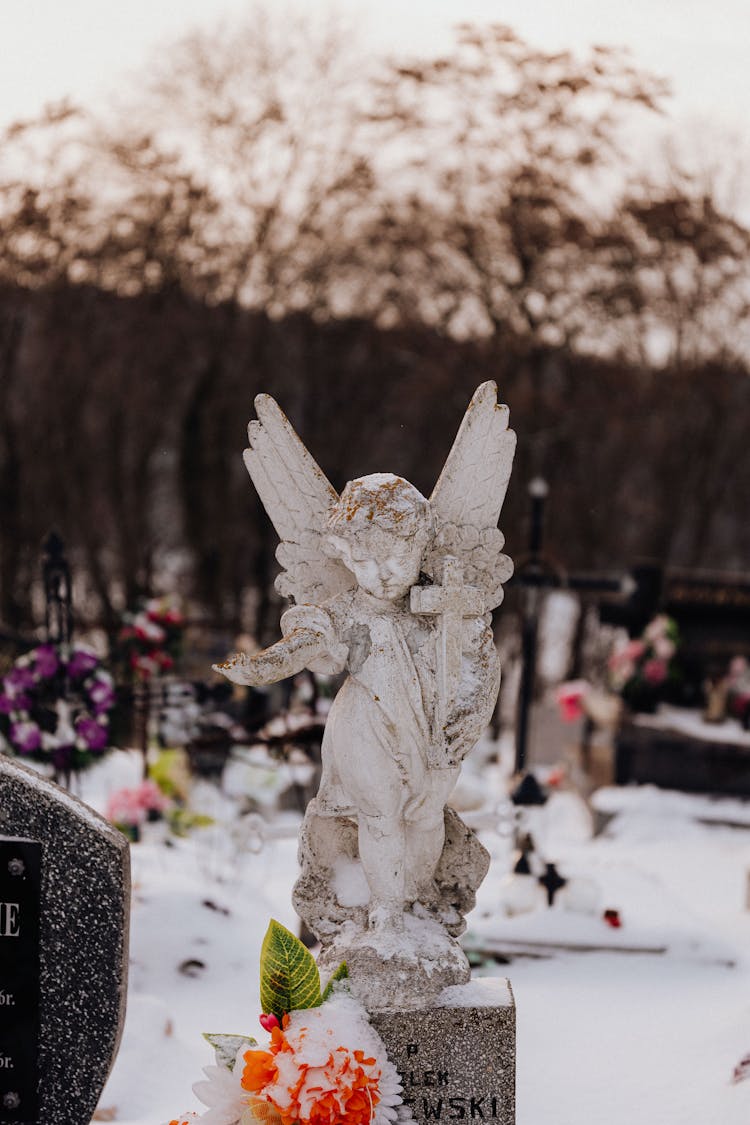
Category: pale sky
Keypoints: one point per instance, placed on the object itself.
(83, 48)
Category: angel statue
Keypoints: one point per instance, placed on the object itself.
(395, 590)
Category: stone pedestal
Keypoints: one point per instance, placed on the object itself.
(457, 1059)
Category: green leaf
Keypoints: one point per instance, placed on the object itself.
(288, 974)
(341, 973)
(227, 1046)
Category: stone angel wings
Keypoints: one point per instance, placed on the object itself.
(464, 509)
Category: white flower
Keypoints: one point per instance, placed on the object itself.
(664, 648)
(656, 628)
(222, 1092)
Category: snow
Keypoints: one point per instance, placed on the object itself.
(350, 883)
(481, 992)
(619, 1034)
(691, 723)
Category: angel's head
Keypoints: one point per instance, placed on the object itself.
(380, 529)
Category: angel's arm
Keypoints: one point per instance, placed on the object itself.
(285, 658)
(309, 641)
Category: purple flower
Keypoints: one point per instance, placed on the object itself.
(94, 734)
(82, 661)
(102, 696)
(14, 702)
(19, 679)
(45, 661)
(26, 737)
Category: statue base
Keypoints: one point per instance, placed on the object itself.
(407, 968)
(457, 1058)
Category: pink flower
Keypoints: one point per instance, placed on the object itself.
(634, 650)
(625, 657)
(655, 672)
(570, 698)
(123, 807)
(150, 797)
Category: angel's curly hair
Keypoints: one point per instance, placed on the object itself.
(381, 501)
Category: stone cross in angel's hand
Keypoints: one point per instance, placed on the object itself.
(452, 602)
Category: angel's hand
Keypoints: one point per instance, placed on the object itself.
(285, 658)
(459, 735)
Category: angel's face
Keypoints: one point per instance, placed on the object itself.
(385, 565)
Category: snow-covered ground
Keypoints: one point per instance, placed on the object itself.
(618, 1034)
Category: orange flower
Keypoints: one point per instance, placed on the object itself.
(260, 1068)
(310, 1080)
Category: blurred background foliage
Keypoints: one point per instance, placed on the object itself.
(262, 212)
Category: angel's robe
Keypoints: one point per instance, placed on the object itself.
(382, 719)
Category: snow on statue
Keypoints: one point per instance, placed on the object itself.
(396, 590)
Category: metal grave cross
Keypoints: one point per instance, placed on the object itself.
(452, 602)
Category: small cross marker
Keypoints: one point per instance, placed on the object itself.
(552, 882)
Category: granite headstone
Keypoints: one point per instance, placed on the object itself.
(64, 914)
(457, 1058)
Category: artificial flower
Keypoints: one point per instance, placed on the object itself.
(14, 700)
(148, 630)
(45, 661)
(658, 628)
(326, 1066)
(570, 697)
(655, 671)
(82, 661)
(102, 694)
(93, 734)
(20, 678)
(222, 1091)
(131, 806)
(26, 736)
(646, 670)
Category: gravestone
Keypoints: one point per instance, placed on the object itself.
(64, 911)
(457, 1058)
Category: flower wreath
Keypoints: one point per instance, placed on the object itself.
(150, 639)
(324, 1065)
(54, 706)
